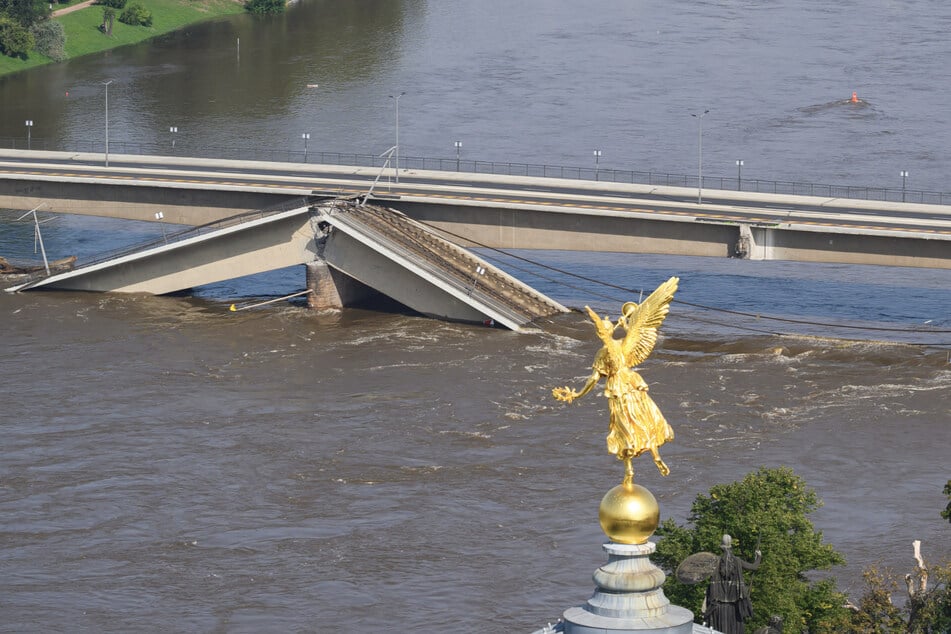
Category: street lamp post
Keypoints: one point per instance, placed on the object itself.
(106, 84)
(173, 130)
(904, 175)
(700, 158)
(739, 174)
(29, 127)
(458, 145)
(38, 236)
(305, 136)
(397, 99)
(597, 165)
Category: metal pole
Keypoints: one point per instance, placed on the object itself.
(39, 235)
(458, 145)
(106, 84)
(700, 158)
(397, 164)
(700, 165)
(387, 154)
(173, 130)
(597, 164)
(904, 175)
(29, 127)
(739, 174)
(305, 136)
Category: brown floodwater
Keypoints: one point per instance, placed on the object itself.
(168, 465)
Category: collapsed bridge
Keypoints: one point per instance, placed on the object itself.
(352, 250)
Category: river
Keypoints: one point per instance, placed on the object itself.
(170, 465)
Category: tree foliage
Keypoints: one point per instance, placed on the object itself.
(929, 612)
(925, 612)
(115, 4)
(262, 7)
(875, 613)
(25, 12)
(15, 39)
(768, 509)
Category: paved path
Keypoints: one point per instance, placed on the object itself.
(70, 9)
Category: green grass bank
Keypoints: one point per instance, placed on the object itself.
(83, 36)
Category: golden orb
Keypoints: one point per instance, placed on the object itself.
(629, 514)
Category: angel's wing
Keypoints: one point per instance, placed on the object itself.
(642, 323)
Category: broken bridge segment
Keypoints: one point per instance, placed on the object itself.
(410, 263)
(246, 244)
(341, 242)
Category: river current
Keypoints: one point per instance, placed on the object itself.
(170, 465)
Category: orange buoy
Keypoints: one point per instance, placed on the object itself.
(855, 97)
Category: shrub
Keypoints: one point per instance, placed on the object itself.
(261, 7)
(115, 4)
(136, 14)
(50, 39)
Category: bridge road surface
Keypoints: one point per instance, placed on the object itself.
(875, 217)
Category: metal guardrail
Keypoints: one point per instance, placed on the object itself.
(499, 168)
(178, 236)
(191, 232)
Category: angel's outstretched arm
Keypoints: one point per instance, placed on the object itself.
(567, 394)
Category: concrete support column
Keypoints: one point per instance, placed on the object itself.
(744, 243)
(321, 281)
(332, 289)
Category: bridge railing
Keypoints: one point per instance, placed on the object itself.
(503, 168)
(180, 235)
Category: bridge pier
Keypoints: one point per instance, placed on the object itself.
(332, 290)
(745, 243)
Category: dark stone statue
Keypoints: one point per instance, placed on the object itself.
(727, 605)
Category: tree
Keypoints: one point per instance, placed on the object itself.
(108, 18)
(15, 39)
(25, 12)
(768, 509)
(875, 612)
(929, 611)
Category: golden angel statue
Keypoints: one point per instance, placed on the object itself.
(636, 423)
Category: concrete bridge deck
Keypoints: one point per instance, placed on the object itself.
(377, 237)
(499, 211)
(371, 246)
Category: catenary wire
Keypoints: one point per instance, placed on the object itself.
(683, 302)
